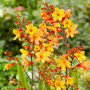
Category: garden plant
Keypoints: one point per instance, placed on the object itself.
(56, 63)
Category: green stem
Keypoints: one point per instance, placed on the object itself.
(39, 77)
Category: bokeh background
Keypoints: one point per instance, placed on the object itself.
(30, 10)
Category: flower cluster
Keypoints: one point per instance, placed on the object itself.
(41, 40)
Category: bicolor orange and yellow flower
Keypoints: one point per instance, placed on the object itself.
(30, 29)
(67, 23)
(27, 63)
(85, 65)
(54, 27)
(43, 28)
(58, 14)
(54, 39)
(48, 46)
(59, 84)
(80, 56)
(69, 80)
(42, 56)
(34, 33)
(7, 66)
(68, 13)
(25, 53)
(36, 48)
(45, 15)
(36, 36)
(63, 63)
(17, 33)
(71, 31)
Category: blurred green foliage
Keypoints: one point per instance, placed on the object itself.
(81, 16)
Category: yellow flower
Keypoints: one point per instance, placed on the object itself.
(24, 53)
(42, 56)
(80, 56)
(71, 31)
(67, 23)
(17, 33)
(34, 33)
(30, 29)
(58, 14)
(42, 26)
(70, 80)
(63, 63)
(36, 48)
(59, 84)
(48, 46)
(54, 27)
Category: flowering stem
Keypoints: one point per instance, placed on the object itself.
(71, 71)
(39, 82)
(65, 40)
(32, 75)
(39, 76)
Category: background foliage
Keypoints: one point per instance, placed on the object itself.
(81, 16)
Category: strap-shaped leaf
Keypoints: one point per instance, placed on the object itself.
(22, 77)
(48, 87)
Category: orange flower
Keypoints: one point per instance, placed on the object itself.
(68, 13)
(58, 14)
(7, 66)
(45, 15)
(27, 63)
(71, 31)
(85, 65)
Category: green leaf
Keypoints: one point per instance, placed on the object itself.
(22, 77)
(48, 87)
(41, 86)
(75, 75)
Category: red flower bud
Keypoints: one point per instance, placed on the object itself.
(28, 22)
(43, 8)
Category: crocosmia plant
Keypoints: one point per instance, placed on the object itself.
(56, 68)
